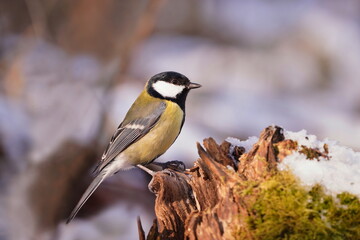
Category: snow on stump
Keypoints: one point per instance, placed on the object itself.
(283, 185)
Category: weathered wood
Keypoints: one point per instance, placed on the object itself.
(140, 229)
(202, 203)
(261, 158)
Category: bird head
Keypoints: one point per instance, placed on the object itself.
(172, 86)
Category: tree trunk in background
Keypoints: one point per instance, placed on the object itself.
(204, 203)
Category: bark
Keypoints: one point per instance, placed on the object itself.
(202, 203)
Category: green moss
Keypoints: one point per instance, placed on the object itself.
(283, 209)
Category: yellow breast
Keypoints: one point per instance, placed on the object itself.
(159, 138)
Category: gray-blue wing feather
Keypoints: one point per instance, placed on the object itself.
(129, 133)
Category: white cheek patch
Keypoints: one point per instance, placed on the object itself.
(168, 90)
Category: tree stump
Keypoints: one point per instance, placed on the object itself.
(202, 203)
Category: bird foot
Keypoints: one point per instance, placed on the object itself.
(173, 165)
(170, 172)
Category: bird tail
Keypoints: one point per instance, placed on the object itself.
(89, 191)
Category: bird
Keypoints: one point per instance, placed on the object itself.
(149, 128)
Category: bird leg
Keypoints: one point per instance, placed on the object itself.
(151, 172)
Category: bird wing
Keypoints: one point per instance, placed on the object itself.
(128, 133)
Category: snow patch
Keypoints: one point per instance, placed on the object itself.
(247, 144)
(340, 173)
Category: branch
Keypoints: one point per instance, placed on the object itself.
(203, 203)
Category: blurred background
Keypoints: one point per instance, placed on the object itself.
(69, 71)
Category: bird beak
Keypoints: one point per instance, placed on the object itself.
(193, 85)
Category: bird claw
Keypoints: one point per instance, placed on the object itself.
(173, 165)
(178, 165)
(151, 189)
(169, 172)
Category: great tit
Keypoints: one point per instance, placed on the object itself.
(150, 127)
